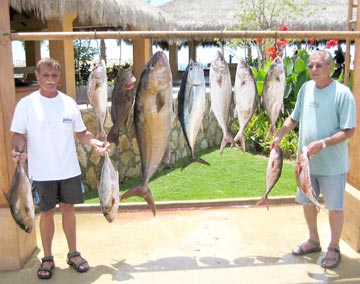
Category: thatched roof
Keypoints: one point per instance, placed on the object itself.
(90, 13)
(218, 15)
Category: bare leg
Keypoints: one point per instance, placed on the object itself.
(47, 230)
(336, 220)
(69, 227)
(310, 214)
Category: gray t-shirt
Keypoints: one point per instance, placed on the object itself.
(321, 113)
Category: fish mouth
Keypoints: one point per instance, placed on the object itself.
(129, 86)
(28, 229)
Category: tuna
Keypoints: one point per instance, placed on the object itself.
(20, 199)
(98, 98)
(122, 101)
(108, 189)
(273, 93)
(221, 96)
(153, 110)
(302, 175)
(273, 173)
(246, 98)
(191, 106)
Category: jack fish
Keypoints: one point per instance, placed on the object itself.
(273, 173)
(20, 199)
(221, 94)
(97, 95)
(191, 106)
(246, 98)
(108, 189)
(302, 175)
(122, 100)
(273, 93)
(152, 121)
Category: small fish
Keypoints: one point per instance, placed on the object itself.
(302, 175)
(246, 98)
(221, 96)
(108, 189)
(273, 93)
(20, 199)
(153, 112)
(191, 106)
(98, 97)
(273, 173)
(122, 101)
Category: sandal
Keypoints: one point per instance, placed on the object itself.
(302, 251)
(77, 265)
(336, 259)
(46, 269)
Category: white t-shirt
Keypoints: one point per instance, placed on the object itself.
(49, 124)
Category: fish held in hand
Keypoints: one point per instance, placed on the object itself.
(246, 98)
(108, 189)
(191, 106)
(221, 96)
(273, 93)
(20, 199)
(153, 110)
(273, 173)
(302, 175)
(122, 101)
(98, 97)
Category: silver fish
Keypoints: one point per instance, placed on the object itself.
(246, 98)
(20, 199)
(273, 173)
(153, 112)
(122, 101)
(221, 95)
(302, 175)
(273, 93)
(191, 106)
(98, 97)
(108, 189)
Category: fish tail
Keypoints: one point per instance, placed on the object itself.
(263, 200)
(113, 136)
(141, 191)
(225, 141)
(192, 160)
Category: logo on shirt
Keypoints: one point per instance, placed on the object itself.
(67, 120)
(314, 104)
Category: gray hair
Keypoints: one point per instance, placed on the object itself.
(49, 62)
(326, 55)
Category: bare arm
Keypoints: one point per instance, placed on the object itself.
(18, 145)
(315, 147)
(87, 137)
(288, 125)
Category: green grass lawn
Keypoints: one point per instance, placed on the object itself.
(234, 174)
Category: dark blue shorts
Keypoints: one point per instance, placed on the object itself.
(54, 191)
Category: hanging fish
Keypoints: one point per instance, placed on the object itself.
(191, 106)
(273, 173)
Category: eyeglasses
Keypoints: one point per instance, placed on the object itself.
(317, 65)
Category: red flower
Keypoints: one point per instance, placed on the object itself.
(282, 42)
(332, 42)
(259, 40)
(312, 41)
(283, 27)
(272, 52)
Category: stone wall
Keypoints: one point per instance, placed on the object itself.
(126, 156)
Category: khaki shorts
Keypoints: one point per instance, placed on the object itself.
(54, 191)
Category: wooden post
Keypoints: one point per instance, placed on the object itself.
(16, 246)
(63, 51)
(33, 55)
(142, 53)
(173, 59)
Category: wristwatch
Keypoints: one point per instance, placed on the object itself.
(323, 144)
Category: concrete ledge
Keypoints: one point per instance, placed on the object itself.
(351, 230)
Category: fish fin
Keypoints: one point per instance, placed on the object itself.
(263, 200)
(141, 191)
(227, 140)
(113, 136)
(159, 102)
(192, 160)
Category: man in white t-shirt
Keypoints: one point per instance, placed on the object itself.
(326, 113)
(44, 123)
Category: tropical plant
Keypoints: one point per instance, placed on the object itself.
(84, 54)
